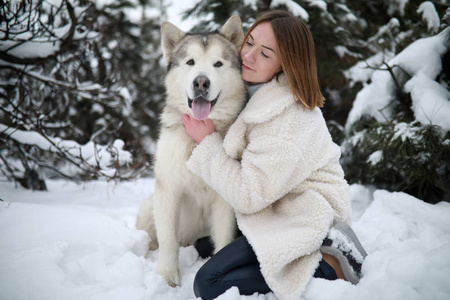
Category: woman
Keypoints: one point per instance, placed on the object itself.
(279, 169)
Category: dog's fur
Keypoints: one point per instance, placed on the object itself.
(203, 70)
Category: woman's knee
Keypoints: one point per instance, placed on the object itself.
(208, 282)
(204, 283)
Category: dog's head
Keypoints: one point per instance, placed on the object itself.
(203, 68)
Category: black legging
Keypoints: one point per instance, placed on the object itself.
(236, 265)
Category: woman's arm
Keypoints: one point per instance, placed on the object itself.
(261, 177)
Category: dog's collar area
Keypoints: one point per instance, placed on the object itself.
(212, 102)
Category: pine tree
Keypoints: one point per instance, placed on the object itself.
(389, 147)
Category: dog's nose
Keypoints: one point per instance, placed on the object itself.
(201, 83)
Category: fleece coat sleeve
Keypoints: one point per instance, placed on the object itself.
(248, 185)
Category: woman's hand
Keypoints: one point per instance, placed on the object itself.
(197, 129)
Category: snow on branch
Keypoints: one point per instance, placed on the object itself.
(38, 31)
(422, 62)
(101, 161)
(430, 15)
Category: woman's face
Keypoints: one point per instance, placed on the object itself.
(260, 60)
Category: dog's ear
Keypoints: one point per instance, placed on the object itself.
(233, 31)
(170, 36)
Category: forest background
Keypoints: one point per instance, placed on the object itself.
(82, 85)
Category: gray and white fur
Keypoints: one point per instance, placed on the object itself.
(204, 81)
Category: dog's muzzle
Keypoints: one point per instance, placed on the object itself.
(200, 105)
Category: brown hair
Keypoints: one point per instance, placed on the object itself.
(295, 46)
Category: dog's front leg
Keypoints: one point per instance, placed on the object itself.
(223, 223)
(166, 212)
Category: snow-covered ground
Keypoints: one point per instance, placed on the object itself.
(81, 242)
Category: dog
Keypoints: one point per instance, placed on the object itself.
(203, 80)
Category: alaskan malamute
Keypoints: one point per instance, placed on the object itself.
(204, 81)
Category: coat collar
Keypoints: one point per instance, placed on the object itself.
(270, 100)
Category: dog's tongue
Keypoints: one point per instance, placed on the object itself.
(201, 108)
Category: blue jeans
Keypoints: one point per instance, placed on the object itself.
(236, 265)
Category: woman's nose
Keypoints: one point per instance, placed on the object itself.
(250, 55)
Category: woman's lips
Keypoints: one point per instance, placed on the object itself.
(246, 68)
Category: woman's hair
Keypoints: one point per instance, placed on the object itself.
(295, 46)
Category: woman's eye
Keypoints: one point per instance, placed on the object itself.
(218, 64)
(190, 62)
(248, 43)
(266, 56)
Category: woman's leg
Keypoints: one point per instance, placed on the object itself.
(237, 265)
(234, 265)
(326, 271)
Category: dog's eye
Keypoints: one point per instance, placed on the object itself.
(190, 62)
(218, 64)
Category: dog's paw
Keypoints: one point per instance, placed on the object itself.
(172, 277)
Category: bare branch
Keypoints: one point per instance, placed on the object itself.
(65, 44)
(391, 71)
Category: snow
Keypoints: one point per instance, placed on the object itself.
(80, 242)
(431, 104)
(343, 243)
(251, 3)
(405, 131)
(342, 51)
(175, 9)
(361, 72)
(396, 6)
(293, 7)
(373, 99)
(380, 37)
(319, 4)
(430, 15)
(422, 61)
(375, 157)
(28, 49)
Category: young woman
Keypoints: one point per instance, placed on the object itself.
(279, 169)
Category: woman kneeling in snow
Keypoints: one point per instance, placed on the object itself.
(279, 169)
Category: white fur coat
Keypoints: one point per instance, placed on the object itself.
(279, 169)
